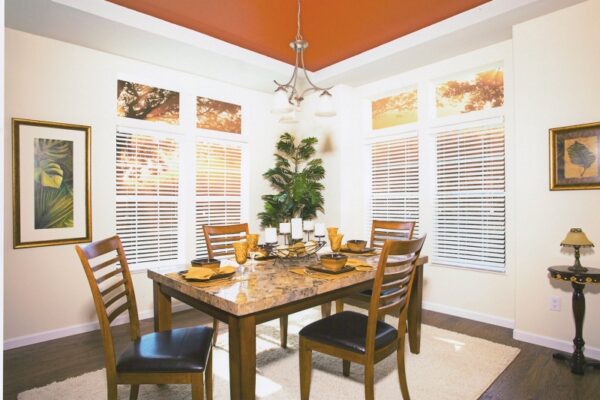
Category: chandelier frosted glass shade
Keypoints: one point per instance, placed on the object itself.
(281, 104)
(325, 105)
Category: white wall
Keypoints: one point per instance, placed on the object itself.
(557, 84)
(50, 80)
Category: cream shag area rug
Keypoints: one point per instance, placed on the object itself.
(450, 366)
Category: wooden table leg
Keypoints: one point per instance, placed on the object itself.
(415, 312)
(162, 309)
(242, 357)
(326, 309)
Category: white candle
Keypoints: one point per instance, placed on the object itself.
(271, 235)
(309, 225)
(297, 228)
(284, 228)
(319, 229)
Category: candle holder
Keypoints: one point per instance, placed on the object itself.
(320, 238)
(308, 232)
(270, 247)
(286, 238)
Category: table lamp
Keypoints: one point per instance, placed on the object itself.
(576, 239)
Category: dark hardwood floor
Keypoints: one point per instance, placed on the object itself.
(533, 375)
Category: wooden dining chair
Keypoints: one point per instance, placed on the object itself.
(170, 357)
(219, 241)
(380, 231)
(363, 339)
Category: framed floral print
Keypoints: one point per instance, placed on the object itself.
(51, 183)
(574, 153)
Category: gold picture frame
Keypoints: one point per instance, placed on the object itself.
(51, 183)
(575, 157)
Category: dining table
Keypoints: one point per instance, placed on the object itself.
(264, 291)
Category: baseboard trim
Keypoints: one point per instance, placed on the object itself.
(76, 329)
(472, 315)
(553, 343)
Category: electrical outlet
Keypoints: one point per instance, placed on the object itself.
(554, 303)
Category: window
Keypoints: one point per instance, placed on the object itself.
(147, 181)
(218, 187)
(395, 180)
(469, 226)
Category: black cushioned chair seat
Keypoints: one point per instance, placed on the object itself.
(178, 350)
(348, 330)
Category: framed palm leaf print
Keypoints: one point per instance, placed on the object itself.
(51, 183)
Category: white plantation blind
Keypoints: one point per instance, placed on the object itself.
(395, 181)
(147, 182)
(470, 198)
(218, 187)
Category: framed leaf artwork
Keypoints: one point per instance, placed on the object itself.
(574, 153)
(51, 183)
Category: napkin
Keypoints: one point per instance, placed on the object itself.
(200, 273)
(359, 265)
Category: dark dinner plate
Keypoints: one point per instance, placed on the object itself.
(366, 250)
(345, 268)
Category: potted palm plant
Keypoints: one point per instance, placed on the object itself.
(297, 178)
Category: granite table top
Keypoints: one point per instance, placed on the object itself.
(262, 285)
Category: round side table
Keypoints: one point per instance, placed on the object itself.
(578, 280)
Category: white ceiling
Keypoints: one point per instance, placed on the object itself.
(113, 29)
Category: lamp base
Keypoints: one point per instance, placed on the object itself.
(578, 268)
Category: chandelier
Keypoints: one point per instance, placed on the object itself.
(288, 96)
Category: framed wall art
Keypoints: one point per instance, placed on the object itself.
(51, 183)
(574, 153)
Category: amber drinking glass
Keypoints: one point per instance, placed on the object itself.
(252, 240)
(336, 242)
(241, 252)
(332, 231)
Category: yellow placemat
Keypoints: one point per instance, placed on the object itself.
(320, 275)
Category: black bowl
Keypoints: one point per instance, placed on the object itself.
(333, 261)
(356, 245)
(211, 263)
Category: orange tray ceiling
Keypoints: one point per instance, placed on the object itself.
(335, 29)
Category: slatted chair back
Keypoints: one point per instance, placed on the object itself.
(220, 238)
(393, 284)
(108, 275)
(392, 230)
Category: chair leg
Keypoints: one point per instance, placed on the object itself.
(283, 329)
(339, 306)
(133, 392)
(111, 386)
(346, 367)
(215, 330)
(402, 371)
(369, 382)
(305, 371)
(198, 386)
(208, 377)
